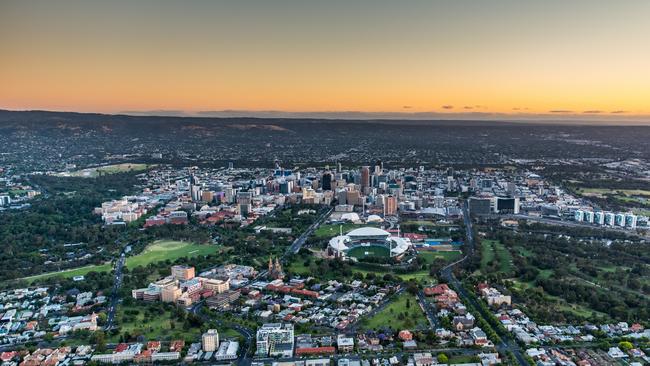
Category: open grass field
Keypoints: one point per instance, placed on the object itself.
(159, 250)
(80, 271)
(487, 254)
(460, 359)
(403, 312)
(108, 169)
(429, 256)
(162, 250)
(163, 326)
(369, 251)
(491, 251)
(419, 276)
(422, 275)
(298, 267)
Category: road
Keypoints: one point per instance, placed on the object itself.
(507, 344)
(429, 310)
(300, 241)
(117, 284)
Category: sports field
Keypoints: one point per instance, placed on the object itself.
(69, 273)
(162, 250)
(448, 256)
(369, 251)
(157, 251)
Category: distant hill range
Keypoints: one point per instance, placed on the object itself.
(44, 139)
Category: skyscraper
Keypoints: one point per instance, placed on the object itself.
(244, 201)
(327, 181)
(365, 177)
(195, 188)
(390, 205)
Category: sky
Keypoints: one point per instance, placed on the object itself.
(552, 58)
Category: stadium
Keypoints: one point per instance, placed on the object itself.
(368, 242)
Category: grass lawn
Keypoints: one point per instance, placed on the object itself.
(453, 360)
(69, 273)
(579, 310)
(505, 259)
(545, 273)
(369, 251)
(397, 315)
(449, 256)
(161, 250)
(298, 266)
(494, 250)
(419, 275)
(152, 327)
(525, 252)
(560, 304)
(487, 253)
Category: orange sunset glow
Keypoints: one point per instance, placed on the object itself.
(505, 57)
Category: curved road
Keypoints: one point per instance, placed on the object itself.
(507, 343)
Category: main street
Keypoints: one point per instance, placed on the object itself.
(300, 241)
(117, 284)
(507, 344)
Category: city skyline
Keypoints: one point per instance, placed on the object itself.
(427, 60)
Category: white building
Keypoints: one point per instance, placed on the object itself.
(210, 340)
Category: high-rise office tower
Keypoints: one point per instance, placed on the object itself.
(365, 177)
(327, 181)
(390, 205)
(195, 188)
(244, 201)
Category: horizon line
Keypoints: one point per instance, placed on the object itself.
(559, 117)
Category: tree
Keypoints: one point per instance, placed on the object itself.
(99, 339)
(625, 345)
(442, 358)
(101, 318)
